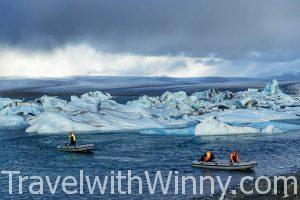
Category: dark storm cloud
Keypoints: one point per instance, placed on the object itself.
(234, 30)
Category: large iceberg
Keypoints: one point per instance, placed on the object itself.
(214, 126)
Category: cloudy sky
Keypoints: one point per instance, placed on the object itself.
(149, 37)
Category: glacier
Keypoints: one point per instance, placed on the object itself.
(209, 112)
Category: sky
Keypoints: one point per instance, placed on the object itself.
(181, 38)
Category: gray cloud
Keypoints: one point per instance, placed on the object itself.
(254, 30)
(154, 25)
(178, 65)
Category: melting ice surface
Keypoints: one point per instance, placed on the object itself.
(250, 111)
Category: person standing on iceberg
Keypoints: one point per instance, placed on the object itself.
(72, 139)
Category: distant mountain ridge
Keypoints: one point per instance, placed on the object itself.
(288, 76)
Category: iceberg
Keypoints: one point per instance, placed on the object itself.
(273, 126)
(49, 122)
(251, 115)
(16, 116)
(246, 103)
(271, 129)
(14, 121)
(21, 110)
(214, 126)
(6, 102)
(274, 91)
(145, 101)
(96, 96)
(81, 105)
(272, 88)
(52, 103)
(207, 94)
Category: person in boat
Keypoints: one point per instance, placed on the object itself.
(207, 157)
(234, 157)
(72, 139)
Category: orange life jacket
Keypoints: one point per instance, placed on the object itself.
(208, 156)
(234, 157)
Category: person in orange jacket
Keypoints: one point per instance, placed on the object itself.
(207, 157)
(234, 157)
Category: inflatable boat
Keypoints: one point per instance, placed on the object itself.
(87, 148)
(247, 165)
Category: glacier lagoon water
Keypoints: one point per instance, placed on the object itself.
(34, 154)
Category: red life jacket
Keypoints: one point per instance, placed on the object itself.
(234, 157)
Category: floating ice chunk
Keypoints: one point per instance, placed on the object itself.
(12, 121)
(172, 109)
(192, 98)
(52, 103)
(219, 97)
(272, 88)
(251, 115)
(49, 122)
(252, 90)
(173, 131)
(20, 110)
(176, 96)
(207, 94)
(4, 102)
(285, 127)
(214, 126)
(126, 111)
(200, 104)
(271, 129)
(88, 102)
(17, 116)
(246, 103)
(96, 96)
(145, 101)
(200, 95)
(82, 105)
(273, 105)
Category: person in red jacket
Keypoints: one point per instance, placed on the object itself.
(234, 157)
